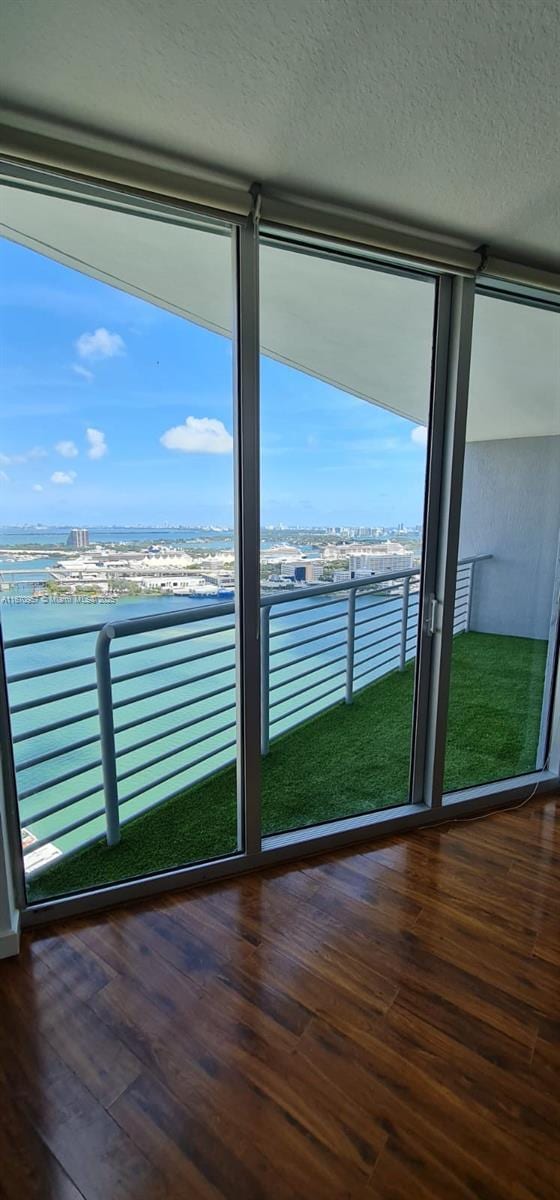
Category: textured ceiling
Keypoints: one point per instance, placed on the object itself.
(440, 113)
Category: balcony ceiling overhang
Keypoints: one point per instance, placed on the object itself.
(363, 331)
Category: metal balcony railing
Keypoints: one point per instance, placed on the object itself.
(142, 709)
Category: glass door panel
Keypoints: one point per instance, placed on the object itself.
(117, 512)
(505, 621)
(346, 354)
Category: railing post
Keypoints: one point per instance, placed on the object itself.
(469, 598)
(107, 728)
(350, 645)
(404, 622)
(265, 678)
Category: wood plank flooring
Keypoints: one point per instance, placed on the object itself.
(376, 1024)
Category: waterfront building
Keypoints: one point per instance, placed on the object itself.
(78, 539)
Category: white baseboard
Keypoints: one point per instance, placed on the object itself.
(10, 939)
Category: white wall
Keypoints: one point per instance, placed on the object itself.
(511, 509)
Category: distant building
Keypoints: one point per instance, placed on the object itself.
(302, 570)
(382, 561)
(78, 539)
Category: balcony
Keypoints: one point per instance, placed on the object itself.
(125, 765)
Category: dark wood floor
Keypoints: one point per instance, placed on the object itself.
(382, 1023)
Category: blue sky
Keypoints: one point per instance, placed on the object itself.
(116, 412)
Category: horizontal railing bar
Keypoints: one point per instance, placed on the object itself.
(396, 606)
(377, 600)
(39, 672)
(132, 626)
(388, 625)
(385, 650)
(171, 708)
(292, 712)
(153, 762)
(378, 624)
(318, 637)
(184, 637)
(170, 687)
(312, 654)
(159, 737)
(172, 774)
(302, 692)
(370, 670)
(378, 642)
(168, 666)
(54, 725)
(61, 804)
(99, 812)
(310, 608)
(307, 624)
(52, 635)
(47, 784)
(58, 752)
(373, 657)
(378, 615)
(38, 701)
(360, 685)
(303, 674)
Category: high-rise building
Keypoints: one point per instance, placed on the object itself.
(381, 562)
(78, 539)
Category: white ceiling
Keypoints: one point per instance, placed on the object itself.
(365, 331)
(440, 113)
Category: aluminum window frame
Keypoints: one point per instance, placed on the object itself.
(453, 319)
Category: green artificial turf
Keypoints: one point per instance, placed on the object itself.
(351, 759)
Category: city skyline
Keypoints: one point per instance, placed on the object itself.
(118, 412)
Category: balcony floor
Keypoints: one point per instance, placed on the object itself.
(350, 759)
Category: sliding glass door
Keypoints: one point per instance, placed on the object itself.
(503, 662)
(346, 363)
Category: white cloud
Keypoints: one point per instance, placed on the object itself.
(199, 435)
(35, 452)
(4, 478)
(67, 449)
(83, 372)
(419, 435)
(37, 487)
(100, 344)
(97, 444)
(62, 477)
